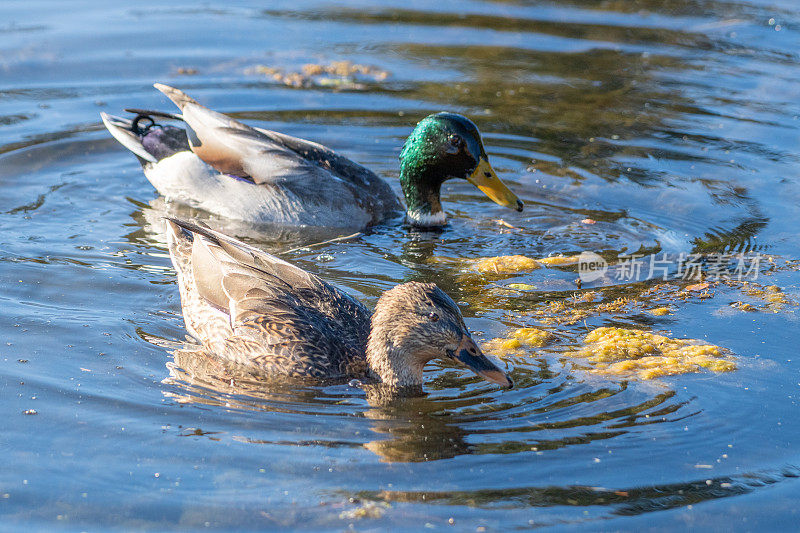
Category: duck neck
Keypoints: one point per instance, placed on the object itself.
(421, 189)
(390, 362)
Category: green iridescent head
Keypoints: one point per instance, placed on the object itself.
(442, 147)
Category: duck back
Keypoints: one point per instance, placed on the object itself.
(254, 309)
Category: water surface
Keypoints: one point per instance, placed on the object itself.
(673, 124)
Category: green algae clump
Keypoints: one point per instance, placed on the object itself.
(634, 353)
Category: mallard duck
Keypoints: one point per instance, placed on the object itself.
(223, 166)
(260, 312)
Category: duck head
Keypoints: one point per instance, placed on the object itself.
(442, 147)
(414, 323)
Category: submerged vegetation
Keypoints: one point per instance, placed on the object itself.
(341, 74)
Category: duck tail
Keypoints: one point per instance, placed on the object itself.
(189, 229)
(153, 113)
(122, 130)
(180, 238)
(235, 249)
(176, 95)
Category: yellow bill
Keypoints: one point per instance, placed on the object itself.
(484, 178)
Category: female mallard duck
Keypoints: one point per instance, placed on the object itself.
(272, 317)
(223, 166)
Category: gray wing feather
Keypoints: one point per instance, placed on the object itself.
(307, 169)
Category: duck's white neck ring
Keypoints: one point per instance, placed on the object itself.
(426, 219)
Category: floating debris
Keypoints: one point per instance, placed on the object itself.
(366, 510)
(629, 353)
(770, 293)
(742, 306)
(505, 224)
(775, 300)
(559, 312)
(337, 74)
(521, 286)
(516, 339)
(586, 297)
(510, 264)
(614, 306)
(505, 264)
(560, 260)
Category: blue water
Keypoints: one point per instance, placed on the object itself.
(673, 124)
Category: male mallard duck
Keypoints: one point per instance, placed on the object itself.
(261, 312)
(226, 167)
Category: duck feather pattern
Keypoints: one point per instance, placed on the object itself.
(255, 174)
(255, 309)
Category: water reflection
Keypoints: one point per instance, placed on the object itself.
(205, 378)
(272, 237)
(549, 410)
(627, 501)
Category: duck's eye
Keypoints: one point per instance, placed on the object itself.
(454, 144)
(433, 317)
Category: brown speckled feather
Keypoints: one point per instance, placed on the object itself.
(253, 308)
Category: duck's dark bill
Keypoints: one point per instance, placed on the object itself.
(484, 178)
(478, 363)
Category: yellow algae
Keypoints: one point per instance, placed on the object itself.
(572, 316)
(505, 264)
(653, 367)
(501, 347)
(559, 313)
(559, 260)
(614, 306)
(313, 69)
(366, 510)
(742, 306)
(338, 74)
(773, 294)
(775, 300)
(521, 286)
(531, 336)
(635, 353)
(508, 264)
(660, 311)
(587, 297)
(516, 339)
